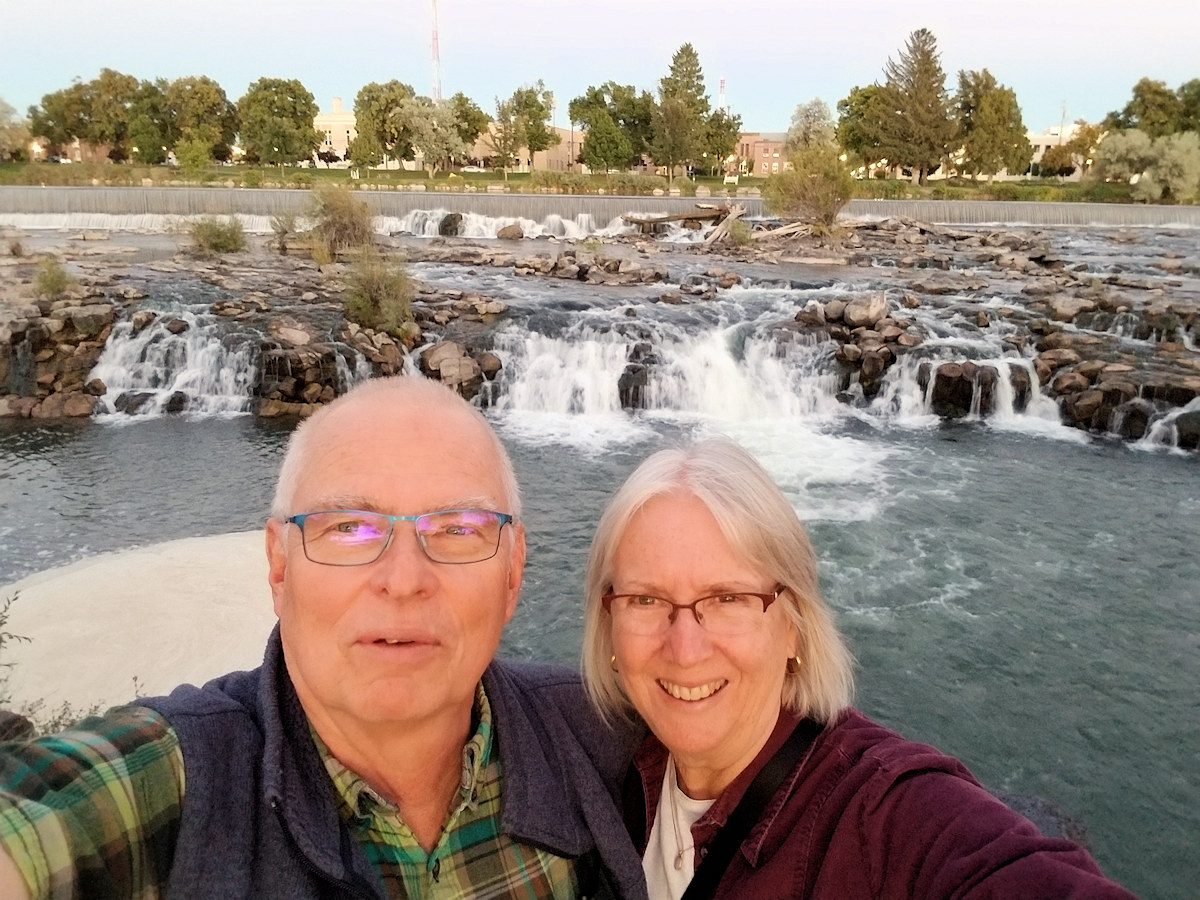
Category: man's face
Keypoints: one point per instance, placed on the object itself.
(402, 640)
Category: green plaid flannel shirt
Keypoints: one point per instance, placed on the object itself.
(94, 812)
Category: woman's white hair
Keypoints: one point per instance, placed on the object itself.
(762, 528)
(383, 393)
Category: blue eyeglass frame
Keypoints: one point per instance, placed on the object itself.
(298, 521)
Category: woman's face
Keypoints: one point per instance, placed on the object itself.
(712, 699)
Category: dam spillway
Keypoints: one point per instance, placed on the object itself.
(34, 201)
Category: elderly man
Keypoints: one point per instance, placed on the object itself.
(378, 751)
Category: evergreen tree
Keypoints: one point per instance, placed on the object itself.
(685, 82)
(990, 126)
(911, 123)
(632, 111)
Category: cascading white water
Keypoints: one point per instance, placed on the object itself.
(214, 371)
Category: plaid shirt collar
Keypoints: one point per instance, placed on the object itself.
(358, 796)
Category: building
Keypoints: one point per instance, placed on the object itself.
(761, 153)
(338, 127)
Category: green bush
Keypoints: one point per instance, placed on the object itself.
(740, 234)
(213, 235)
(52, 279)
(341, 221)
(562, 182)
(815, 189)
(635, 184)
(252, 178)
(284, 226)
(380, 293)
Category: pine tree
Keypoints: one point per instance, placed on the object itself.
(990, 126)
(913, 127)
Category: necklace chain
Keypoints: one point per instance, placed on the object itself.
(680, 848)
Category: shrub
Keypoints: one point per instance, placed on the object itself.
(193, 155)
(380, 293)
(252, 178)
(52, 279)
(636, 184)
(213, 235)
(815, 189)
(740, 233)
(342, 222)
(562, 182)
(284, 226)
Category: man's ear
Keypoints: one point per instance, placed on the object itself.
(277, 559)
(516, 570)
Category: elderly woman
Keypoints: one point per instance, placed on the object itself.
(705, 617)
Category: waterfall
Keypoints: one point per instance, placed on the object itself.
(203, 369)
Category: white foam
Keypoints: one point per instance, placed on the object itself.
(180, 611)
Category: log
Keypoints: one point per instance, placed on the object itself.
(792, 230)
(700, 214)
(720, 232)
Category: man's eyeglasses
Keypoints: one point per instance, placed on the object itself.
(733, 612)
(353, 537)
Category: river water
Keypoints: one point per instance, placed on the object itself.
(1022, 595)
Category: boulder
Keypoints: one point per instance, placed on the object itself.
(865, 311)
(511, 232)
(451, 225)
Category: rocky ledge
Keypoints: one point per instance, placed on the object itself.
(1064, 327)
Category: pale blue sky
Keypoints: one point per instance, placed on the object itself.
(773, 54)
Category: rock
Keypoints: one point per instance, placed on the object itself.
(812, 315)
(834, 310)
(1064, 307)
(87, 321)
(1132, 418)
(451, 225)
(177, 402)
(631, 386)
(952, 391)
(865, 310)
(1187, 430)
(96, 388)
(140, 319)
(290, 331)
(511, 232)
(1069, 383)
(177, 326)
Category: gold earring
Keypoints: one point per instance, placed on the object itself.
(613, 662)
(793, 664)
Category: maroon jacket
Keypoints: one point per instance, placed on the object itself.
(869, 815)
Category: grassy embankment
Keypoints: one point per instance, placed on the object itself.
(108, 174)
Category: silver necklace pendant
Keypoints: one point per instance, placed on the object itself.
(679, 861)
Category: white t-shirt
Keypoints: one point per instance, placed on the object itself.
(677, 812)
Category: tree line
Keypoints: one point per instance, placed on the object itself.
(906, 122)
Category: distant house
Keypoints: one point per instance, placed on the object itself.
(761, 153)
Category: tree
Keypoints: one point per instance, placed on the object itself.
(151, 124)
(62, 117)
(685, 82)
(811, 126)
(275, 118)
(201, 111)
(630, 110)
(857, 114)
(1154, 109)
(470, 120)
(1124, 155)
(1083, 144)
(605, 145)
(110, 97)
(379, 121)
(14, 133)
(912, 123)
(815, 189)
(531, 107)
(1189, 105)
(719, 138)
(686, 120)
(1172, 170)
(506, 136)
(1057, 162)
(990, 126)
(434, 129)
(675, 135)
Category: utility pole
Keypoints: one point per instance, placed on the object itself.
(436, 93)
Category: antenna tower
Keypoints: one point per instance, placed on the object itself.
(721, 95)
(436, 93)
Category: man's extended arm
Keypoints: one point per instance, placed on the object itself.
(97, 806)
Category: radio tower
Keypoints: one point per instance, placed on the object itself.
(721, 95)
(437, 63)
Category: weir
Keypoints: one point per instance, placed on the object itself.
(75, 202)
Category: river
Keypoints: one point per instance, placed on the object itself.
(1021, 594)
